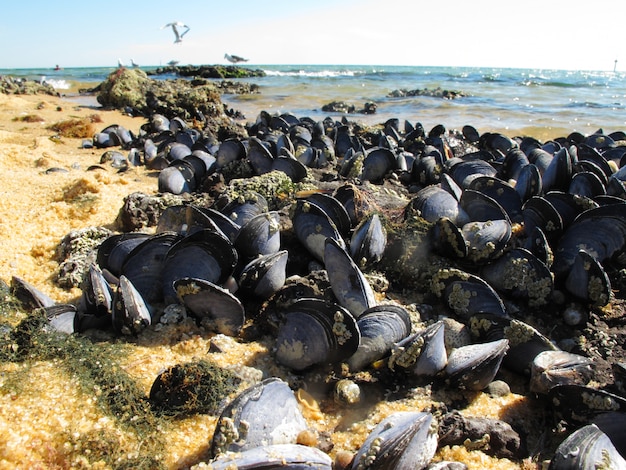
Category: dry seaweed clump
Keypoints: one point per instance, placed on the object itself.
(74, 128)
(29, 118)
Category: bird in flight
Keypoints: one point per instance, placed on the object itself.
(234, 59)
(175, 25)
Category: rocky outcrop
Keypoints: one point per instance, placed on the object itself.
(433, 93)
(192, 100)
(209, 71)
(22, 86)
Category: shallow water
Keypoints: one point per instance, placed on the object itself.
(519, 101)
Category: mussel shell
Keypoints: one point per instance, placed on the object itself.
(229, 151)
(539, 212)
(291, 167)
(482, 208)
(334, 209)
(259, 236)
(537, 244)
(97, 295)
(404, 439)
(432, 203)
(576, 403)
(347, 281)
(62, 318)
(205, 254)
(114, 250)
(569, 206)
(244, 207)
(185, 220)
(260, 156)
(528, 182)
(474, 366)
(368, 241)
(178, 178)
(289, 456)
(253, 420)
(587, 448)
(551, 368)
(465, 171)
(216, 308)
(130, 313)
(143, 266)
(353, 201)
(588, 281)
(30, 296)
(520, 274)
(265, 275)
(602, 231)
(313, 226)
(502, 192)
(448, 239)
(466, 294)
(558, 174)
(525, 342)
(381, 327)
(377, 163)
(315, 332)
(486, 240)
(424, 353)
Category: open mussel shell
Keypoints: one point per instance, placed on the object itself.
(474, 366)
(259, 156)
(466, 171)
(482, 208)
(144, 265)
(551, 368)
(404, 439)
(30, 296)
(433, 203)
(353, 201)
(558, 174)
(466, 294)
(525, 342)
(62, 318)
(253, 419)
(291, 167)
(380, 327)
(368, 241)
(423, 354)
(259, 236)
(576, 403)
(537, 243)
(588, 281)
(521, 275)
(334, 209)
(347, 281)
(613, 424)
(205, 254)
(601, 231)
(486, 241)
(215, 307)
(313, 226)
(289, 456)
(265, 275)
(97, 295)
(185, 220)
(539, 212)
(131, 314)
(229, 151)
(569, 206)
(587, 448)
(316, 332)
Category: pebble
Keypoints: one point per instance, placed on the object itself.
(498, 388)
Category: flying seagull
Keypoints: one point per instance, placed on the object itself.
(175, 25)
(234, 59)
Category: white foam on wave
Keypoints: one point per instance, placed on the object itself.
(310, 73)
(57, 84)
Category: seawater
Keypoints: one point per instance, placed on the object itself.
(497, 99)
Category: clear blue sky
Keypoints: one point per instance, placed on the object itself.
(498, 33)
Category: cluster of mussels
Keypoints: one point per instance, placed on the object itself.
(520, 223)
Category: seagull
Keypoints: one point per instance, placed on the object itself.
(132, 62)
(234, 59)
(120, 64)
(175, 25)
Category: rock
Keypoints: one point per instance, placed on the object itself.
(22, 86)
(209, 71)
(434, 93)
(492, 436)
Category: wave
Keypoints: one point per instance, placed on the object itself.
(311, 73)
(57, 84)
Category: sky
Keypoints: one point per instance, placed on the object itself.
(551, 34)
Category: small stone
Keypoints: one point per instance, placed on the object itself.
(498, 388)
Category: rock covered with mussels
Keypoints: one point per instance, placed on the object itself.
(488, 231)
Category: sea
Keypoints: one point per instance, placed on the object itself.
(514, 101)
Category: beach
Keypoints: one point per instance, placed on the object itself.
(48, 419)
